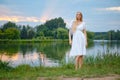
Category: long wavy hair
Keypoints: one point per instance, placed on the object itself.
(81, 19)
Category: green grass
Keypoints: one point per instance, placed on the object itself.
(31, 40)
(5, 66)
(101, 65)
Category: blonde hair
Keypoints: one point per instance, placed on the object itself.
(81, 19)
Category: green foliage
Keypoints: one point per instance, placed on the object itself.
(100, 35)
(30, 34)
(55, 23)
(23, 33)
(27, 32)
(9, 31)
(12, 33)
(2, 35)
(51, 29)
(46, 30)
(61, 33)
(54, 28)
(5, 66)
(9, 25)
(90, 35)
(110, 35)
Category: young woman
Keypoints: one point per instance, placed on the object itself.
(78, 41)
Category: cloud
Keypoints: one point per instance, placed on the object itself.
(6, 14)
(110, 9)
(20, 19)
(4, 10)
(113, 8)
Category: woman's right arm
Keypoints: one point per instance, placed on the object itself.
(69, 28)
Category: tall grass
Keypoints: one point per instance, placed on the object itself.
(104, 64)
(5, 65)
(103, 59)
(108, 59)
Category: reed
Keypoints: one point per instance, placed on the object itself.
(5, 65)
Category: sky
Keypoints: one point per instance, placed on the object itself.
(99, 15)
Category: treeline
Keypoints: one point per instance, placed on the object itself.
(110, 35)
(52, 29)
(12, 31)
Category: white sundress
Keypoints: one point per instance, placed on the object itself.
(78, 46)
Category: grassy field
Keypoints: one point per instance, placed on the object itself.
(102, 65)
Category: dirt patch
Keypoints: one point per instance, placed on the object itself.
(103, 78)
(111, 77)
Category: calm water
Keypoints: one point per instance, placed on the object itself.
(49, 53)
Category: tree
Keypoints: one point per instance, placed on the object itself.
(90, 35)
(12, 33)
(41, 29)
(61, 33)
(30, 34)
(55, 23)
(9, 25)
(23, 34)
(1, 34)
(118, 35)
(49, 29)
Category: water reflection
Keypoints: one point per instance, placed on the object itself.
(69, 59)
(42, 58)
(33, 59)
(103, 46)
(49, 54)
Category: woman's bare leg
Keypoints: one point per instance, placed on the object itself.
(76, 62)
(80, 61)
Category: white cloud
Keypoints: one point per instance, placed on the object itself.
(6, 14)
(113, 8)
(20, 19)
(110, 9)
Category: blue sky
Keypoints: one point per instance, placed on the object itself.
(99, 15)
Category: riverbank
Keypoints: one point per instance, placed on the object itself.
(32, 40)
(100, 66)
(36, 40)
